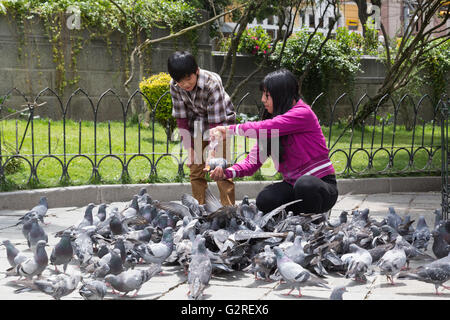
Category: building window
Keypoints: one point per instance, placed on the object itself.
(312, 21)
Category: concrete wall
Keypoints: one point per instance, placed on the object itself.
(26, 63)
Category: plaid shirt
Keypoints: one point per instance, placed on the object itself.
(208, 104)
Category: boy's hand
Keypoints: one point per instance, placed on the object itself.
(219, 131)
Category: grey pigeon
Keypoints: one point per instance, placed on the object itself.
(158, 252)
(26, 227)
(216, 162)
(357, 263)
(337, 293)
(132, 210)
(296, 253)
(13, 254)
(40, 210)
(441, 239)
(88, 218)
(92, 289)
(393, 219)
(111, 264)
(101, 214)
(437, 217)
(59, 286)
(62, 253)
(131, 280)
(294, 274)
(436, 272)
(140, 236)
(421, 235)
(36, 234)
(192, 203)
(341, 220)
(393, 260)
(264, 262)
(35, 265)
(199, 271)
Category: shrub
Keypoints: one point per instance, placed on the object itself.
(338, 62)
(255, 41)
(154, 87)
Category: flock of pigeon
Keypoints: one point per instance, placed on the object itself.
(299, 249)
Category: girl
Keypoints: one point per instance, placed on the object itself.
(301, 156)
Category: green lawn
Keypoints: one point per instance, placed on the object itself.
(110, 153)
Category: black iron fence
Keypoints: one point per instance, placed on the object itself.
(400, 136)
(445, 156)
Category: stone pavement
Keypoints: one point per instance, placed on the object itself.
(240, 285)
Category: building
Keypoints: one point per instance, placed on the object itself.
(394, 14)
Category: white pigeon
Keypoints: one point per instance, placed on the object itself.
(393, 260)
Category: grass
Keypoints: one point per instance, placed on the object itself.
(80, 149)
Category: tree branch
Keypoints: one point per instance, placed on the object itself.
(185, 30)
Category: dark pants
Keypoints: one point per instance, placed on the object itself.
(318, 195)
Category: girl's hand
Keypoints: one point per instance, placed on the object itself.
(217, 174)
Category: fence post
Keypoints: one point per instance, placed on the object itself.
(445, 157)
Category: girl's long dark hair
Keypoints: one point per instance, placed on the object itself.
(284, 89)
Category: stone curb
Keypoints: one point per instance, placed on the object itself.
(80, 196)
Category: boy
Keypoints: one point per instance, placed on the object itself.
(200, 103)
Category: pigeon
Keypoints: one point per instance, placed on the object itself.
(40, 210)
(436, 272)
(296, 253)
(441, 237)
(88, 219)
(36, 234)
(35, 265)
(140, 236)
(264, 262)
(130, 280)
(62, 253)
(338, 292)
(132, 210)
(27, 224)
(157, 252)
(192, 203)
(357, 262)
(393, 219)
(101, 214)
(294, 274)
(110, 264)
(216, 162)
(92, 289)
(405, 229)
(393, 260)
(341, 220)
(199, 271)
(13, 254)
(421, 235)
(59, 286)
(437, 217)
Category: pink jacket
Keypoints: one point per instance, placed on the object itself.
(305, 150)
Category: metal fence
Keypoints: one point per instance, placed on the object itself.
(373, 147)
(445, 156)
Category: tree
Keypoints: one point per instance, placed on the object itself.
(404, 61)
(363, 15)
(287, 12)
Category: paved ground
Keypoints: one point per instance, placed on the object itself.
(241, 285)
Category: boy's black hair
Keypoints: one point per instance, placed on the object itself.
(284, 90)
(181, 64)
